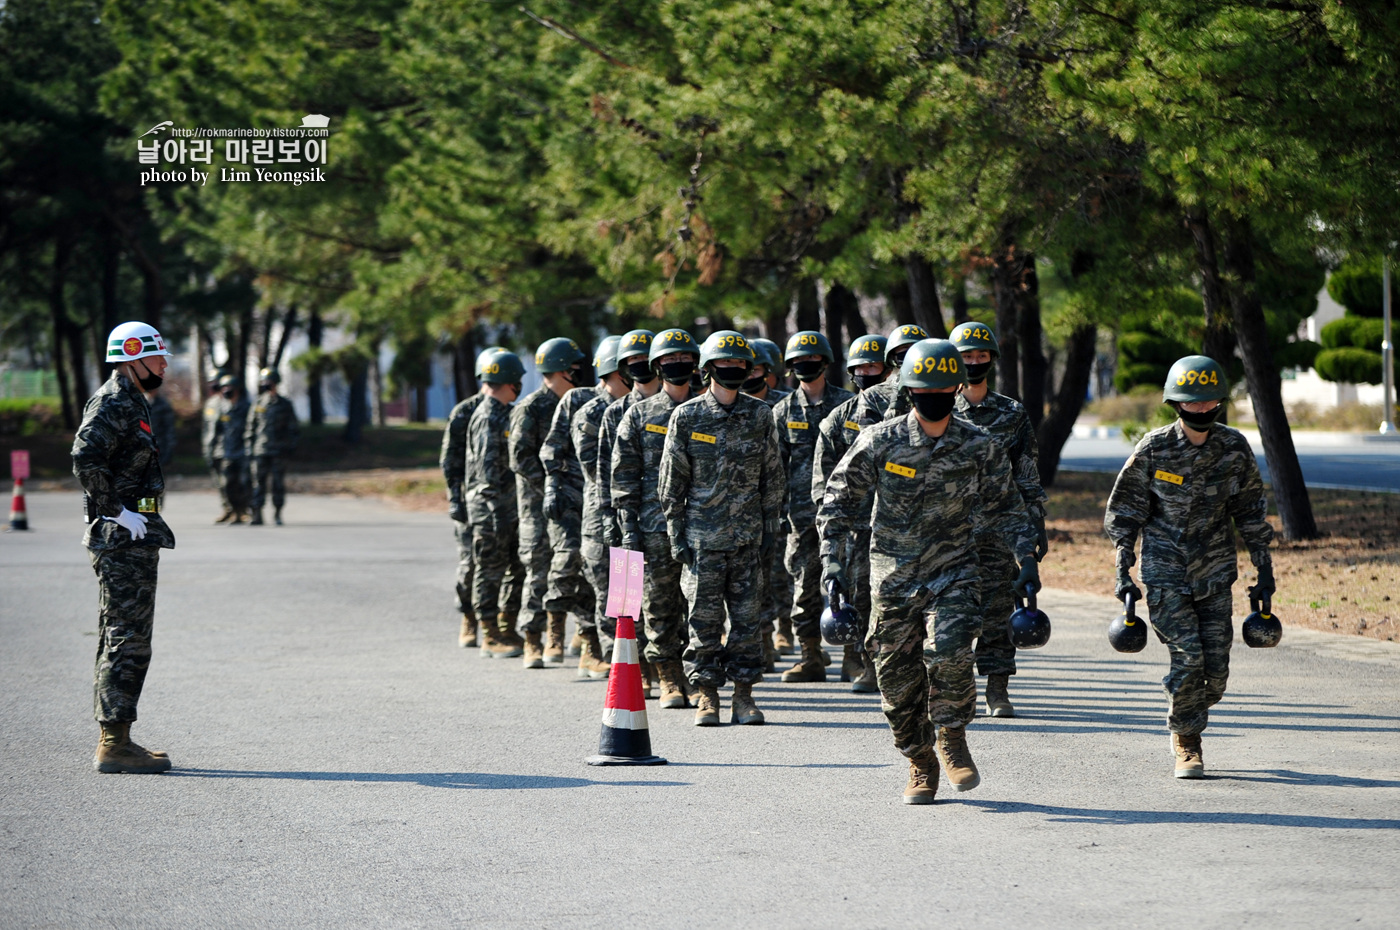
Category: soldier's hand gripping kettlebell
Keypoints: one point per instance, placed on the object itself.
(1261, 629)
(1128, 632)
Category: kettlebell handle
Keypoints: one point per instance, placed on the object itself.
(1028, 601)
(1256, 607)
(1129, 604)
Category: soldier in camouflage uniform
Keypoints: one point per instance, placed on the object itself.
(1186, 490)
(226, 449)
(569, 590)
(721, 489)
(1007, 421)
(558, 361)
(636, 471)
(880, 402)
(488, 487)
(116, 461)
(163, 426)
(271, 436)
(214, 409)
(838, 430)
(937, 485)
(584, 429)
(777, 594)
(798, 418)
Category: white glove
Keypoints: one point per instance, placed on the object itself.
(135, 523)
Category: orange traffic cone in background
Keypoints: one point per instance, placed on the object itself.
(19, 518)
(625, 739)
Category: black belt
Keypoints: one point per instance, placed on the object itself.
(141, 505)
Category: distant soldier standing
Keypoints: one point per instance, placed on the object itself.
(938, 484)
(721, 490)
(777, 593)
(162, 426)
(798, 418)
(1187, 489)
(1007, 422)
(116, 461)
(558, 361)
(271, 436)
(214, 409)
(227, 450)
(636, 473)
(866, 364)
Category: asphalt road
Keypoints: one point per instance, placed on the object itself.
(339, 762)
(1371, 466)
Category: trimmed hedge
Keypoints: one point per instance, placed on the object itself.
(1351, 365)
(1355, 331)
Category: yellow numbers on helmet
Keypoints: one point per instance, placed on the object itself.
(913, 331)
(803, 339)
(677, 337)
(869, 345)
(927, 366)
(638, 339)
(736, 341)
(539, 358)
(492, 369)
(980, 333)
(1198, 377)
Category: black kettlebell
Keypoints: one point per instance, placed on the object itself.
(840, 624)
(1261, 629)
(1128, 632)
(1030, 628)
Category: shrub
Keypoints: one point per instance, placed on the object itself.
(29, 416)
(1349, 364)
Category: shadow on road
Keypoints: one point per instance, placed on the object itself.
(477, 780)
(1288, 777)
(785, 765)
(1138, 818)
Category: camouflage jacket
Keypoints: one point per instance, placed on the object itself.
(163, 427)
(798, 421)
(209, 427)
(1181, 499)
(607, 436)
(272, 426)
(584, 429)
(453, 457)
(1009, 425)
(722, 481)
(116, 461)
(488, 482)
(774, 395)
(838, 430)
(932, 499)
(873, 404)
(227, 439)
(529, 421)
(557, 453)
(636, 464)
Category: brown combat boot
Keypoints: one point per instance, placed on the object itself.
(923, 778)
(707, 706)
(850, 663)
(554, 638)
(809, 667)
(257, 519)
(770, 655)
(224, 517)
(534, 651)
(508, 634)
(672, 677)
(590, 661)
(466, 636)
(745, 711)
(576, 645)
(1190, 761)
(117, 753)
(648, 679)
(866, 682)
(998, 703)
(277, 515)
(782, 638)
(957, 758)
(502, 642)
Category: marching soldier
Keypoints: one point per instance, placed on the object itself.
(1006, 420)
(875, 404)
(798, 418)
(865, 362)
(584, 430)
(721, 489)
(116, 461)
(636, 471)
(271, 436)
(558, 361)
(937, 485)
(1186, 490)
(777, 583)
(213, 453)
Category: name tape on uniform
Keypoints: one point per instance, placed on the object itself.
(904, 470)
(653, 428)
(703, 437)
(1169, 477)
(852, 424)
(796, 424)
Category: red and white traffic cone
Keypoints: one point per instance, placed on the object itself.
(625, 739)
(19, 518)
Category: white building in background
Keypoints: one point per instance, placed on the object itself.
(1306, 386)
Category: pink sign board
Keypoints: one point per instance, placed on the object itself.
(636, 568)
(617, 581)
(19, 464)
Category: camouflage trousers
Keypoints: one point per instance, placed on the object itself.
(126, 612)
(595, 563)
(497, 573)
(269, 475)
(777, 584)
(858, 575)
(535, 554)
(1198, 632)
(663, 607)
(715, 582)
(465, 566)
(922, 647)
(231, 477)
(568, 590)
(996, 654)
(804, 565)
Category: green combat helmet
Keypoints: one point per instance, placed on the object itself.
(972, 336)
(269, 376)
(867, 350)
(605, 359)
(808, 342)
(672, 340)
(1195, 378)
(899, 338)
(932, 363)
(485, 356)
(503, 368)
(557, 354)
(634, 343)
(727, 344)
(767, 353)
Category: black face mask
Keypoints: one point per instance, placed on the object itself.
(641, 371)
(809, 370)
(977, 373)
(897, 359)
(677, 372)
(866, 382)
(578, 377)
(934, 407)
(755, 384)
(732, 378)
(149, 381)
(1201, 422)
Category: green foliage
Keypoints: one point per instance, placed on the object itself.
(1358, 285)
(1354, 331)
(29, 416)
(1301, 354)
(1351, 365)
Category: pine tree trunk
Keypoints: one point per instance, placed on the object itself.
(775, 324)
(901, 307)
(809, 310)
(842, 319)
(1005, 273)
(59, 315)
(1265, 385)
(464, 365)
(1219, 342)
(314, 396)
(960, 309)
(923, 296)
(1031, 336)
(1067, 401)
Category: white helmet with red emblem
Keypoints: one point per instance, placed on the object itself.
(134, 340)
